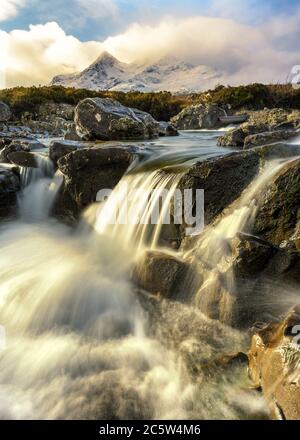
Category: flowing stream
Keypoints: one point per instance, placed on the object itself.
(78, 343)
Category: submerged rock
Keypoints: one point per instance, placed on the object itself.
(199, 116)
(86, 171)
(274, 365)
(107, 119)
(161, 273)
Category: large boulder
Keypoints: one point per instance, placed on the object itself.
(107, 119)
(199, 116)
(9, 186)
(274, 365)
(222, 179)
(278, 217)
(5, 112)
(268, 137)
(161, 273)
(86, 171)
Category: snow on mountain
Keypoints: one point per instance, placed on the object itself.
(108, 73)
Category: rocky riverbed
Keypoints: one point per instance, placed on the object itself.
(191, 300)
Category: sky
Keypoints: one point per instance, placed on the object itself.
(245, 40)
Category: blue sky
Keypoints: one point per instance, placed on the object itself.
(87, 24)
(243, 41)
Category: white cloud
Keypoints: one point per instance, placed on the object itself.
(9, 8)
(243, 53)
(36, 55)
(98, 8)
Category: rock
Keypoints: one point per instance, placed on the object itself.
(9, 186)
(274, 365)
(278, 215)
(6, 151)
(58, 149)
(161, 273)
(23, 159)
(274, 117)
(199, 116)
(237, 136)
(233, 138)
(5, 112)
(86, 171)
(268, 137)
(107, 119)
(167, 129)
(222, 179)
(61, 110)
(71, 133)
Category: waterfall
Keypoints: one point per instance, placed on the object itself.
(146, 198)
(39, 188)
(211, 248)
(79, 345)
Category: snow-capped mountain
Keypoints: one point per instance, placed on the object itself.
(108, 73)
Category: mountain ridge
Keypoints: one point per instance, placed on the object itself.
(167, 74)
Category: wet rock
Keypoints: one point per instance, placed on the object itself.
(278, 215)
(161, 273)
(58, 149)
(167, 129)
(5, 112)
(23, 159)
(107, 119)
(86, 171)
(237, 136)
(222, 179)
(254, 140)
(9, 186)
(199, 116)
(7, 150)
(274, 365)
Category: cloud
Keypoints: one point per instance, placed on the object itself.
(9, 8)
(98, 8)
(36, 55)
(242, 52)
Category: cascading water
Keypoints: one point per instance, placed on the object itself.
(40, 187)
(78, 341)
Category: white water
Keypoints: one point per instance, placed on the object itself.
(79, 343)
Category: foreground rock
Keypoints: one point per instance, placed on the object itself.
(107, 119)
(9, 186)
(274, 365)
(23, 159)
(199, 116)
(161, 273)
(222, 179)
(86, 171)
(5, 112)
(278, 216)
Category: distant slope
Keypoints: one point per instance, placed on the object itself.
(108, 73)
